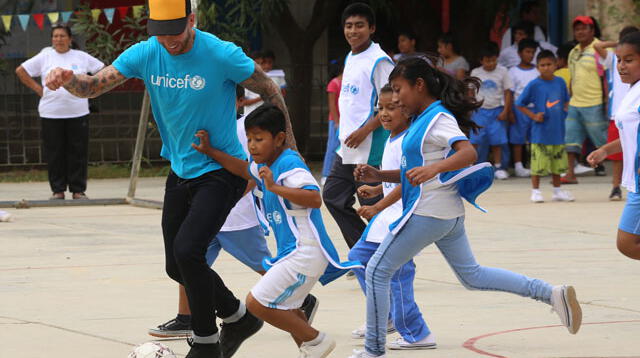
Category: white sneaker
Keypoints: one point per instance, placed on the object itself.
(536, 197)
(562, 195)
(364, 354)
(523, 172)
(428, 342)
(566, 305)
(362, 331)
(501, 174)
(320, 350)
(5, 216)
(582, 169)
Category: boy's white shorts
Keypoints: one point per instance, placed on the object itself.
(282, 287)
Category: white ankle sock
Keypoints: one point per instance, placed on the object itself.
(557, 190)
(518, 165)
(242, 310)
(536, 191)
(315, 341)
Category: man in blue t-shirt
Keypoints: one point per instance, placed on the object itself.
(191, 78)
(549, 96)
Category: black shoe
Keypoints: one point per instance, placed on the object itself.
(616, 194)
(600, 171)
(204, 350)
(172, 328)
(310, 307)
(233, 334)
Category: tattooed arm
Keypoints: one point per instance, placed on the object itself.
(261, 84)
(85, 86)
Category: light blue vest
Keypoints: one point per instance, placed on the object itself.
(471, 181)
(280, 217)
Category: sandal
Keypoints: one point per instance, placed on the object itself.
(566, 181)
(57, 196)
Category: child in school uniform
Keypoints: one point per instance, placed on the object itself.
(362, 139)
(290, 201)
(628, 123)
(545, 101)
(521, 75)
(492, 117)
(435, 175)
(406, 317)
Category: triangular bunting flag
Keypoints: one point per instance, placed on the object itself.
(66, 15)
(122, 11)
(6, 20)
(53, 17)
(137, 11)
(109, 14)
(39, 19)
(24, 21)
(95, 13)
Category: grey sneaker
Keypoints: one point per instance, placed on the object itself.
(566, 305)
(360, 332)
(429, 342)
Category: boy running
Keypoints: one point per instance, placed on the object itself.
(290, 201)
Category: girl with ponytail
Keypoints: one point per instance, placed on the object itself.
(435, 176)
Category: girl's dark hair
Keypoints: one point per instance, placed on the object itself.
(266, 117)
(456, 95)
(359, 9)
(66, 28)
(632, 39)
(447, 39)
(626, 31)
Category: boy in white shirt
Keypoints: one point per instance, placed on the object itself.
(521, 75)
(495, 94)
(366, 71)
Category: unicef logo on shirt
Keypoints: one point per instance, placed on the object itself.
(403, 162)
(197, 83)
(354, 90)
(275, 217)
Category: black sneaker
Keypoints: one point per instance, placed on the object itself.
(233, 334)
(204, 350)
(600, 171)
(310, 307)
(172, 328)
(616, 194)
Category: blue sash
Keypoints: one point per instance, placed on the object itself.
(470, 182)
(280, 217)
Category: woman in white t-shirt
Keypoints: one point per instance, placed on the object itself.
(65, 117)
(627, 120)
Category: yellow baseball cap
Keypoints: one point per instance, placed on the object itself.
(168, 17)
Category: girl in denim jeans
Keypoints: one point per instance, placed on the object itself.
(435, 146)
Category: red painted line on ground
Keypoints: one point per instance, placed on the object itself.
(470, 343)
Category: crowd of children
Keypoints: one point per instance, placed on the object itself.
(408, 134)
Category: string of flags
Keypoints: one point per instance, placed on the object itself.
(64, 16)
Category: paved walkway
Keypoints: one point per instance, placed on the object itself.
(89, 281)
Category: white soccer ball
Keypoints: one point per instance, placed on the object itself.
(152, 350)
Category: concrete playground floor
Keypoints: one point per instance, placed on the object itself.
(89, 281)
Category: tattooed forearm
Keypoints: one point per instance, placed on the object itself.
(86, 86)
(269, 91)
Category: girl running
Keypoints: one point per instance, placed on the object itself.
(433, 147)
(627, 119)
